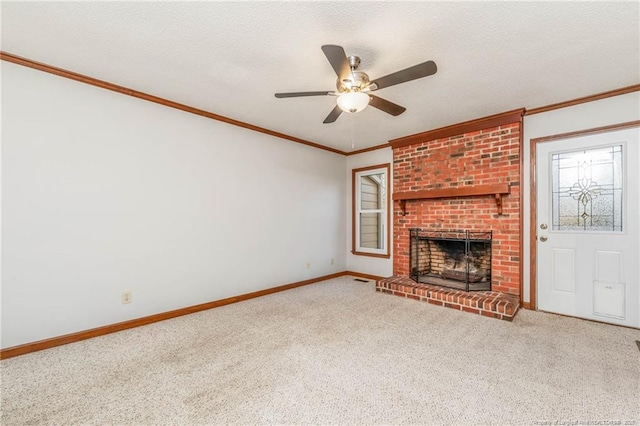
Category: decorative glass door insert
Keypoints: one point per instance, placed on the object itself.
(587, 187)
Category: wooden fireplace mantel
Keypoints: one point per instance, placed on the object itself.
(497, 190)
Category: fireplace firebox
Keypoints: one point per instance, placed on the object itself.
(455, 259)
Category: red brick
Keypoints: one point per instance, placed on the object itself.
(429, 165)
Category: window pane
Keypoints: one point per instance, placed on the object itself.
(372, 191)
(587, 190)
(371, 230)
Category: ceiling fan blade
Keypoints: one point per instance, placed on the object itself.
(338, 60)
(333, 115)
(386, 106)
(298, 94)
(424, 69)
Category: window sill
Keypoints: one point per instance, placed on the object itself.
(362, 253)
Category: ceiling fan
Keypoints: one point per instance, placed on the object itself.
(354, 87)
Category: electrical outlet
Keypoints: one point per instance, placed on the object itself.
(308, 265)
(127, 297)
(333, 261)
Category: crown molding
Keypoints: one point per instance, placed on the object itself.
(452, 130)
(9, 57)
(373, 148)
(591, 98)
(514, 116)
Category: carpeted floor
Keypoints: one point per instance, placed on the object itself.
(335, 352)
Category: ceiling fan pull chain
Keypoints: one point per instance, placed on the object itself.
(353, 142)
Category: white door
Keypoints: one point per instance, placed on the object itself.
(588, 241)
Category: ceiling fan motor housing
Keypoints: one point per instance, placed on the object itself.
(359, 80)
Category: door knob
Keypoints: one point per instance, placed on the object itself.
(543, 226)
(543, 238)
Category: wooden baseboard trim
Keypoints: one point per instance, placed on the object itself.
(125, 325)
(525, 305)
(362, 275)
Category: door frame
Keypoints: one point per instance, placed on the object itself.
(533, 196)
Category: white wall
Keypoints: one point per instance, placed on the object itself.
(614, 110)
(104, 193)
(366, 264)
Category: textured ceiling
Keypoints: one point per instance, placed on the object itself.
(229, 58)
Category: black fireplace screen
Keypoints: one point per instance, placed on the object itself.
(456, 259)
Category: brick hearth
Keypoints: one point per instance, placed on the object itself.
(492, 304)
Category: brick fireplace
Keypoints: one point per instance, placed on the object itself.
(464, 177)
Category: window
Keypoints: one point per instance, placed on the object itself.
(370, 221)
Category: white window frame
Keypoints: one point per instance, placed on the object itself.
(357, 175)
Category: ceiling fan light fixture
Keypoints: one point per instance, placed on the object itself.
(353, 101)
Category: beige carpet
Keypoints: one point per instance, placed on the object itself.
(334, 352)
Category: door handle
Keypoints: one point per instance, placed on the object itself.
(543, 238)
(543, 226)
